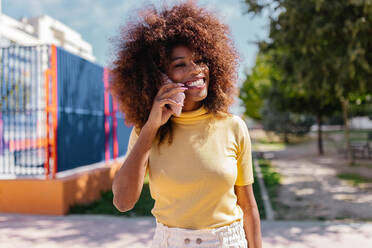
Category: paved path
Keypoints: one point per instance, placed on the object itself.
(80, 231)
(311, 189)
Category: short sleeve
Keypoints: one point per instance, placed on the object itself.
(244, 156)
(132, 141)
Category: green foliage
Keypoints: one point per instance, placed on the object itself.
(285, 122)
(361, 105)
(256, 86)
(257, 195)
(271, 178)
(324, 45)
(355, 179)
(268, 98)
(105, 206)
(256, 7)
(323, 49)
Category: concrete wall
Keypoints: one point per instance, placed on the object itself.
(54, 197)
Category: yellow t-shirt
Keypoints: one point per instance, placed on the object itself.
(192, 180)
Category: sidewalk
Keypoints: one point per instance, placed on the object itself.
(73, 231)
(311, 187)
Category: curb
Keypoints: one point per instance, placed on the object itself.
(265, 196)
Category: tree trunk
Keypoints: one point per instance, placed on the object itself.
(320, 138)
(286, 139)
(345, 109)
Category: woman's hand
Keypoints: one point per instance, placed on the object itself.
(160, 113)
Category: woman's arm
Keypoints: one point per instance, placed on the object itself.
(128, 181)
(252, 225)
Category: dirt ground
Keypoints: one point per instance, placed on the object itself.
(310, 188)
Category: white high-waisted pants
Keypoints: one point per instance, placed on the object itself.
(231, 236)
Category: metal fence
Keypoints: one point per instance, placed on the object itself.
(22, 111)
(56, 113)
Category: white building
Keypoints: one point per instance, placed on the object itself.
(43, 30)
(361, 122)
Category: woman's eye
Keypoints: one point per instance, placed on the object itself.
(179, 65)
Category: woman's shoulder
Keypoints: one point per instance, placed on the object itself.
(232, 121)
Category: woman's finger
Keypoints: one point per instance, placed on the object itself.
(169, 101)
(172, 92)
(166, 87)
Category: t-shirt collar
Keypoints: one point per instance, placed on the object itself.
(191, 116)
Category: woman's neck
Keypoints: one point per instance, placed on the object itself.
(191, 106)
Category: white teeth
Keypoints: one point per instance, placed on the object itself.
(198, 82)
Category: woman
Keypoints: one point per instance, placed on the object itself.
(199, 163)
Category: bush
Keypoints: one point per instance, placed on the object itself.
(105, 206)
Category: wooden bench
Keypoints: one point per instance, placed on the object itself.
(362, 150)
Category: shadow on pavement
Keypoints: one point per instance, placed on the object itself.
(75, 231)
(91, 231)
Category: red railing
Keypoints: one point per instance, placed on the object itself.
(51, 112)
(109, 114)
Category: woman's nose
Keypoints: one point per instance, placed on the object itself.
(195, 68)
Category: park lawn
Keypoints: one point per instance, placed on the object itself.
(257, 195)
(271, 179)
(105, 206)
(268, 146)
(352, 131)
(143, 206)
(354, 179)
(355, 135)
(267, 138)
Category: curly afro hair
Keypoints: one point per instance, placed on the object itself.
(143, 50)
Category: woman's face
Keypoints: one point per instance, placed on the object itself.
(187, 67)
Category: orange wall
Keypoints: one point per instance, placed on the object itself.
(54, 197)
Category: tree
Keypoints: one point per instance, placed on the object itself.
(283, 121)
(256, 86)
(286, 122)
(267, 82)
(326, 46)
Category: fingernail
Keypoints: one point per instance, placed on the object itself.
(184, 88)
(180, 84)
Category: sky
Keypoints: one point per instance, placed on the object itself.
(99, 20)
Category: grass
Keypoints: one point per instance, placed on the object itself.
(269, 142)
(352, 131)
(297, 140)
(257, 195)
(354, 179)
(270, 138)
(268, 146)
(271, 178)
(104, 204)
(360, 136)
(368, 165)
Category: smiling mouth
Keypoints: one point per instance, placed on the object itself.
(196, 84)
